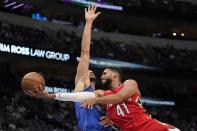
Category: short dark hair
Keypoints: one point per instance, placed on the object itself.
(117, 70)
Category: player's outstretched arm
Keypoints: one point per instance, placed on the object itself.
(130, 88)
(82, 77)
(73, 97)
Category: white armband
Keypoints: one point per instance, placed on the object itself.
(74, 97)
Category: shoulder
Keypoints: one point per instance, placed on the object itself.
(129, 88)
(130, 82)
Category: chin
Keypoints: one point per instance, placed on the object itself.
(106, 84)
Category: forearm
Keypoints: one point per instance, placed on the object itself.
(74, 97)
(82, 68)
(86, 39)
(110, 99)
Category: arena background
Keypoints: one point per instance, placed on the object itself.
(153, 41)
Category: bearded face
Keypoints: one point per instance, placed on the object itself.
(106, 79)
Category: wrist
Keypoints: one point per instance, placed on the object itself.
(89, 21)
(51, 96)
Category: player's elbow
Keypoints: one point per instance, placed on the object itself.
(130, 82)
(131, 85)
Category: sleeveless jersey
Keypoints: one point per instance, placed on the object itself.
(130, 116)
(88, 119)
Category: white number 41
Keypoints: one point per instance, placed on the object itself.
(120, 111)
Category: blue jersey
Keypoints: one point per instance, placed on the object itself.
(88, 119)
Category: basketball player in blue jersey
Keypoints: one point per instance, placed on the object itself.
(88, 119)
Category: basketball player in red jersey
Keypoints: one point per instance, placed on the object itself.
(123, 104)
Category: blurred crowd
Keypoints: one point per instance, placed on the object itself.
(19, 112)
(23, 36)
(22, 113)
(173, 9)
(165, 57)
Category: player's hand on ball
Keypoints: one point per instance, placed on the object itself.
(37, 89)
(39, 93)
(89, 103)
(105, 121)
(90, 13)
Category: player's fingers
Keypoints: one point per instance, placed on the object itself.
(98, 13)
(31, 93)
(37, 89)
(26, 92)
(83, 104)
(103, 123)
(85, 10)
(89, 105)
(94, 8)
(103, 117)
(107, 125)
(86, 104)
(40, 88)
(88, 7)
(106, 122)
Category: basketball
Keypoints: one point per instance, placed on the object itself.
(31, 81)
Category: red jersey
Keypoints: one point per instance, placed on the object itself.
(130, 116)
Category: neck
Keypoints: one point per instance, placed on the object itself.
(114, 84)
(92, 85)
